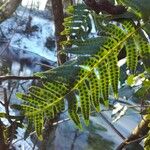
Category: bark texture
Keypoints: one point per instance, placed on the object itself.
(3, 145)
(7, 8)
(140, 131)
(58, 13)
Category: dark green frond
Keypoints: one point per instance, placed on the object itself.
(89, 77)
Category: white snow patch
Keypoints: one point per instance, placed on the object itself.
(38, 4)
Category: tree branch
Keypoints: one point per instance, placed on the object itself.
(3, 78)
(106, 6)
(137, 135)
(3, 145)
(8, 8)
(58, 13)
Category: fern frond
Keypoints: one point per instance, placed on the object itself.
(89, 77)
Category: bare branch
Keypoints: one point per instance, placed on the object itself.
(3, 78)
(106, 6)
(138, 133)
(8, 8)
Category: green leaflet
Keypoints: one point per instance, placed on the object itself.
(139, 7)
(104, 80)
(88, 46)
(114, 31)
(95, 41)
(76, 9)
(2, 115)
(134, 6)
(82, 50)
(38, 123)
(72, 109)
(94, 90)
(129, 26)
(144, 51)
(146, 142)
(84, 101)
(114, 72)
(30, 100)
(78, 25)
(143, 45)
(132, 54)
(48, 95)
(56, 88)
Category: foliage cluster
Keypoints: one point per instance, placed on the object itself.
(86, 81)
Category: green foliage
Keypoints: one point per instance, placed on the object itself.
(144, 91)
(91, 76)
(146, 143)
(138, 7)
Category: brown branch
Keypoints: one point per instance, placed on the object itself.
(3, 145)
(58, 13)
(8, 8)
(6, 105)
(106, 6)
(3, 78)
(137, 135)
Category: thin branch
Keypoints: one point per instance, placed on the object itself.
(6, 105)
(44, 65)
(137, 140)
(112, 126)
(106, 6)
(1, 103)
(11, 92)
(137, 134)
(3, 78)
(3, 145)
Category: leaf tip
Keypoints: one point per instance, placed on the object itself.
(97, 109)
(40, 137)
(86, 121)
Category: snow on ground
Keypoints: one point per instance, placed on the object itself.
(13, 28)
(40, 4)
